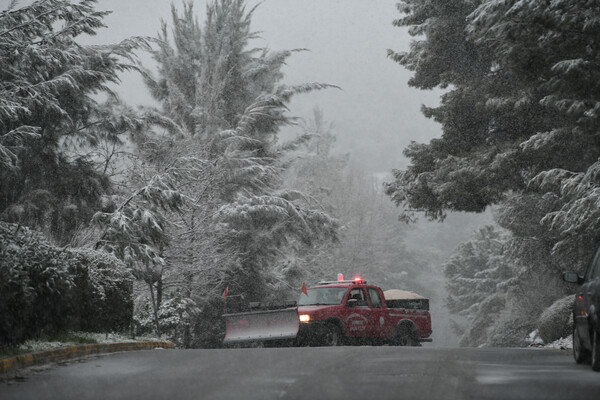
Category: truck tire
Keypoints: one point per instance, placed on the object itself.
(333, 335)
(405, 336)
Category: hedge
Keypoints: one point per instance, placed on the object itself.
(45, 289)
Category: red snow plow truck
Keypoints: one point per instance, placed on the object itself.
(338, 312)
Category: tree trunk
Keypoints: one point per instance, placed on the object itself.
(155, 307)
(132, 320)
(159, 292)
(186, 337)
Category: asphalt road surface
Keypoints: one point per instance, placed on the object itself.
(315, 373)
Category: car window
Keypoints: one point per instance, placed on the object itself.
(359, 295)
(323, 295)
(374, 296)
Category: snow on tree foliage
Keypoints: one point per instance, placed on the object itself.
(519, 122)
(574, 220)
(510, 83)
(177, 315)
(52, 128)
(136, 229)
(47, 106)
(476, 278)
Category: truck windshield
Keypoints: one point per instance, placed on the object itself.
(323, 296)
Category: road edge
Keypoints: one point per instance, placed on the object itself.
(64, 353)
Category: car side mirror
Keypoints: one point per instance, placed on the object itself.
(352, 303)
(572, 277)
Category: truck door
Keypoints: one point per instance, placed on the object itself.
(358, 317)
(378, 324)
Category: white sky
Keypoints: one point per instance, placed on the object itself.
(375, 115)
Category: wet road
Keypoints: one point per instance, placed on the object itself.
(316, 373)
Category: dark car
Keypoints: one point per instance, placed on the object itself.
(586, 314)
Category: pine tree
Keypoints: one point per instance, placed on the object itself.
(237, 223)
(519, 128)
(477, 279)
(48, 106)
(522, 101)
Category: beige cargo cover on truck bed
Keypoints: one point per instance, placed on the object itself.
(395, 298)
(396, 294)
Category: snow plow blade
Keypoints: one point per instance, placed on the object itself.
(261, 326)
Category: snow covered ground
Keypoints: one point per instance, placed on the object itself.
(83, 338)
(534, 340)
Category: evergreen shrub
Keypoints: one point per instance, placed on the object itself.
(556, 321)
(45, 289)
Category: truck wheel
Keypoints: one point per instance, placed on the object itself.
(580, 353)
(596, 351)
(405, 340)
(333, 335)
(405, 337)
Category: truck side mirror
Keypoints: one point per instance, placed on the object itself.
(572, 277)
(352, 303)
(291, 303)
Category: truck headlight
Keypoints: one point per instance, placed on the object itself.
(305, 317)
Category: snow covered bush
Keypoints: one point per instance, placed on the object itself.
(176, 315)
(45, 289)
(557, 320)
(102, 292)
(34, 286)
(511, 328)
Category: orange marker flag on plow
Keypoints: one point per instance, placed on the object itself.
(225, 293)
(304, 289)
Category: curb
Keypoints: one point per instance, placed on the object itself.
(65, 353)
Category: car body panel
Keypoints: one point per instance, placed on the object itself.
(586, 305)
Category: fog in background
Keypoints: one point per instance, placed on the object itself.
(375, 114)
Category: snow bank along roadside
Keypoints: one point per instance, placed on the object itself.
(64, 353)
(534, 340)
